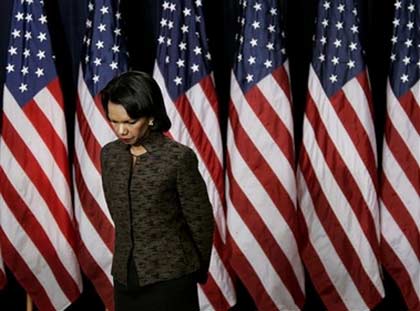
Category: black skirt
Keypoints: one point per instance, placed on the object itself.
(172, 295)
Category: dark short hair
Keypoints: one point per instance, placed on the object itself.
(140, 96)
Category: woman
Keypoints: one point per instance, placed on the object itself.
(158, 202)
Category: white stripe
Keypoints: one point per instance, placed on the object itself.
(207, 117)
(40, 151)
(357, 99)
(401, 185)
(32, 257)
(89, 173)
(345, 146)
(54, 113)
(278, 100)
(403, 125)
(340, 206)
(36, 204)
(257, 258)
(100, 128)
(92, 240)
(401, 247)
(205, 305)
(325, 250)
(263, 141)
(265, 207)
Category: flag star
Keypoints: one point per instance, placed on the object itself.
(353, 46)
(29, 2)
(404, 78)
(163, 22)
(418, 64)
(198, 3)
(118, 15)
(187, 12)
(335, 60)
(271, 28)
(28, 18)
(88, 42)
(408, 43)
(182, 46)
(23, 87)
(268, 64)
(16, 33)
(197, 50)
(340, 8)
(256, 25)
(396, 22)
(40, 54)
(113, 65)
(208, 56)
(97, 61)
(257, 6)
(19, 16)
(397, 4)
(326, 5)
(325, 22)
(165, 5)
(99, 44)
(95, 79)
(249, 78)
(410, 25)
(273, 11)
(12, 50)
(406, 60)
(178, 80)
(26, 53)
(169, 42)
(270, 46)
(351, 64)
(167, 59)
(393, 57)
(90, 6)
(184, 28)
(39, 72)
(253, 42)
(87, 59)
(323, 40)
(251, 60)
(411, 7)
(102, 27)
(194, 68)
(198, 19)
(10, 68)
(115, 48)
(333, 78)
(180, 63)
(394, 39)
(170, 24)
(321, 57)
(354, 29)
(28, 35)
(354, 12)
(104, 10)
(117, 31)
(88, 23)
(172, 7)
(42, 19)
(337, 43)
(239, 57)
(161, 39)
(42, 36)
(339, 25)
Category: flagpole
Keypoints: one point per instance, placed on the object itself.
(29, 306)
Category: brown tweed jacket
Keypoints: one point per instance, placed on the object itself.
(171, 224)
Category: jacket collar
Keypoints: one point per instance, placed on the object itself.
(151, 142)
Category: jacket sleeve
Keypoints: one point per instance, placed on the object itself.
(104, 173)
(196, 208)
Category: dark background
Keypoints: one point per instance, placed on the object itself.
(66, 20)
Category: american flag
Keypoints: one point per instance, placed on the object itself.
(37, 234)
(400, 184)
(261, 190)
(183, 72)
(337, 176)
(103, 58)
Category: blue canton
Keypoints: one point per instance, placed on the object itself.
(338, 55)
(261, 43)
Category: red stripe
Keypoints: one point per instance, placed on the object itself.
(343, 176)
(321, 280)
(354, 128)
(58, 148)
(93, 210)
(209, 91)
(401, 216)
(263, 172)
(97, 276)
(402, 154)
(39, 237)
(214, 295)
(250, 279)
(265, 239)
(363, 80)
(282, 78)
(55, 89)
(412, 109)
(338, 237)
(24, 275)
(39, 179)
(271, 122)
(397, 270)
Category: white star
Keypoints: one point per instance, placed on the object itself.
(169, 42)
(198, 3)
(97, 61)
(26, 53)
(353, 46)
(40, 54)
(198, 19)
(170, 24)
(325, 22)
(256, 25)
(117, 32)
(102, 27)
(251, 60)
(10, 68)
(354, 12)
(351, 64)
(273, 11)
(90, 6)
(39, 72)
(28, 18)
(167, 59)
(87, 59)
(118, 15)
(239, 57)
(411, 7)
(12, 50)
(178, 80)
(197, 50)
(257, 6)
(184, 28)
(340, 8)
(163, 22)
(172, 7)
(268, 64)
(339, 25)
(271, 28)
(208, 56)
(88, 23)
(394, 39)
(99, 44)
(333, 78)
(165, 5)
(42, 36)
(95, 79)
(326, 5)
(182, 46)
(396, 22)
(194, 68)
(161, 39)
(404, 78)
(249, 78)
(115, 48)
(354, 29)
(16, 33)
(19, 16)
(392, 57)
(42, 19)
(104, 10)
(408, 43)
(28, 35)
(418, 64)
(397, 5)
(180, 63)
(337, 43)
(335, 60)
(321, 57)
(406, 60)
(323, 40)
(29, 2)
(113, 65)
(410, 25)
(270, 46)
(253, 42)
(187, 12)
(23, 87)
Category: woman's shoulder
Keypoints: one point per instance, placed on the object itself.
(111, 147)
(177, 147)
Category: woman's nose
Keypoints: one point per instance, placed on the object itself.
(121, 129)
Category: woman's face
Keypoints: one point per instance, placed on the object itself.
(128, 130)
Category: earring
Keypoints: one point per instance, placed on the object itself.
(151, 123)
